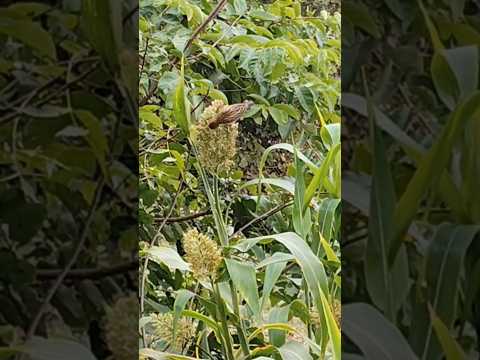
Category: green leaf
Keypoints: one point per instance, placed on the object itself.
(359, 15)
(293, 52)
(181, 106)
(102, 22)
(244, 278)
(167, 256)
(205, 319)
(240, 6)
(387, 286)
(259, 98)
(31, 34)
(376, 337)
(280, 117)
(289, 109)
(327, 219)
(181, 299)
(450, 346)
(278, 315)
(52, 349)
(272, 274)
(96, 137)
(464, 63)
(285, 184)
(444, 268)
(301, 218)
(160, 355)
(430, 169)
(320, 175)
(314, 274)
(444, 80)
(294, 351)
(306, 98)
(288, 147)
(437, 44)
(330, 134)
(263, 15)
(331, 256)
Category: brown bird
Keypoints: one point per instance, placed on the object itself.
(230, 114)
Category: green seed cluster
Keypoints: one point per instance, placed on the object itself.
(163, 325)
(216, 148)
(203, 254)
(121, 328)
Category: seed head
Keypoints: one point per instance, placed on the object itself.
(216, 147)
(121, 328)
(337, 311)
(163, 325)
(202, 253)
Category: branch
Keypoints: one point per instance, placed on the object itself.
(53, 95)
(202, 26)
(261, 218)
(184, 218)
(79, 274)
(78, 249)
(144, 58)
(130, 14)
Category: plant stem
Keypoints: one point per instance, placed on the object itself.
(228, 349)
(240, 329)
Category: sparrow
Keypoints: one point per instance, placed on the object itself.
(230, 114)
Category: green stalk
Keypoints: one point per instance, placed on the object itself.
(213, 200)
(222, 232)
(228, 348)
(240, 329)
(307, 303)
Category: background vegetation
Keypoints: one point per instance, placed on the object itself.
(267, 241)
(410, 236)
(68, 165)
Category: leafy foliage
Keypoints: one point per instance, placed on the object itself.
(67, 173)
(274, 217)
(411, 182)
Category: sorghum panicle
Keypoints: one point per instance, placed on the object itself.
(216, 147)
(202, 253)
(121, 328)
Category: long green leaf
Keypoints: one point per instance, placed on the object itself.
(272, 273)
(29, 33)
(167, 256)
(181, 300)
(181, 106)
(244, 278)
(313, 271)
(430, 169)
(386, 286)
(376, 337)
(294, 351)
(450, 346)
(320, 175)
(444, 265)
(102, 21)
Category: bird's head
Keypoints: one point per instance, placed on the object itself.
(248, 103)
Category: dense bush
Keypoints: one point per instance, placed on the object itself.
(239, 224)
(410, 229)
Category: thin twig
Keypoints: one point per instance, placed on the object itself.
(130, 14)
(79, 274)
(202, 27)
(144, 57)
(185, 217)
(155, 238)
(261, 218)
(78, 249)
(48, 98)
